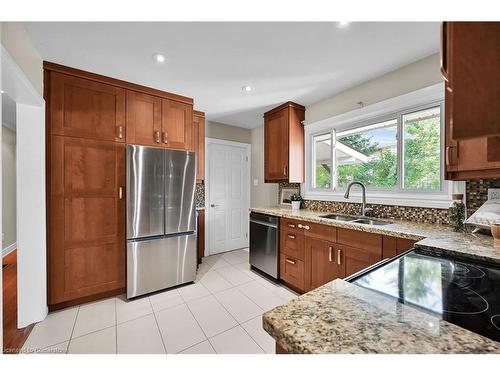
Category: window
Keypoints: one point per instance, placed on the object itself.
(369, 155)
(401, 152)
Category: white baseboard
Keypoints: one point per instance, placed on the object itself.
(9, 249)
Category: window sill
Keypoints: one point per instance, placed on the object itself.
(428, 200)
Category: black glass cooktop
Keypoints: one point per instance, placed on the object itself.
(463, 293)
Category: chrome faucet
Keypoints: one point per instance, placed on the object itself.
(364, 211)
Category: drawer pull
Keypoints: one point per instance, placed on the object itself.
(291, 225)
(291, 236)
(290, 261)
(330, 254)
(157, 136)
(339, 254)
(120, 132)
(306, 227)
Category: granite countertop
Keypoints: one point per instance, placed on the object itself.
(437, 237)
(341, 317)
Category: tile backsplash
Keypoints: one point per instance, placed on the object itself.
(476, 192)
(418, 214)
(200, 195)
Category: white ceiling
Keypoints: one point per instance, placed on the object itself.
(210, 62)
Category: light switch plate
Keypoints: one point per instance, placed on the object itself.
(255, 182)
(493, 193)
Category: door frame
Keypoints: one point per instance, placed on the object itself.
(30, 193)
(208, 218)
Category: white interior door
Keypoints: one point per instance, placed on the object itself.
(228, 196)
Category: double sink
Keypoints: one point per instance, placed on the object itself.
(353, 219)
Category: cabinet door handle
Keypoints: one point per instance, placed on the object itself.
(291, 236)
(291, 225)
(330, 254)
(284, 170)
(157, 136)
(165, 137)
(289, 261)
(119, 134)
(448, 159)
(444, 62)
(120, 192)
(306, 227)
(339, 254)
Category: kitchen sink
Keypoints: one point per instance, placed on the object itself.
(339, 217)
(371, 222)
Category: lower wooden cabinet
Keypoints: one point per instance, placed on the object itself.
(86, 254)
(292, 272)
(324, 260)
(313, 254)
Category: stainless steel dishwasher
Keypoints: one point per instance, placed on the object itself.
(264, 243)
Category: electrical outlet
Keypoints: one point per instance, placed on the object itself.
(493, 193)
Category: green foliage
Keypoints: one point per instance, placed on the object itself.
(323, 177)
(422, 154)
(296, 197)
(381, 172)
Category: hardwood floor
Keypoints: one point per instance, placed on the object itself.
(13, 338)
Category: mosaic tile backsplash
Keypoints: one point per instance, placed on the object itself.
(200, 195)
(476, 192)
(417, 214)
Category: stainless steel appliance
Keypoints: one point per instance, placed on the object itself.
(461, 291)
(264, 243)
(161, 219)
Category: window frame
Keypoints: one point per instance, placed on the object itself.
(394, 108)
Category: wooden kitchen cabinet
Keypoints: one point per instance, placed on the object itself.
(199, 144)
(177, 125)
(284, 143)
(393, 246)
(143, 119)
(292, 272)
(89, 119)
(86, 218)
(86, 109)
(325, 262)
(470, 59)
(355, 259)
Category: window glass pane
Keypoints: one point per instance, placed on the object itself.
(369, 155)
(322, 161)
(421, 165)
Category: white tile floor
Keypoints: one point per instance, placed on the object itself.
(220, 313)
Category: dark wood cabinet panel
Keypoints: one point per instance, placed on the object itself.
(292, 272)
(177, 125)
(199, 144)
(325, 265)
(201, 235)
(86, 109)
(292, 244)
(143, 119)
(393, 246)
(359, 239)
(87, 218)
(470, 60)
(471, 66)
(355, 259)
(284, 144)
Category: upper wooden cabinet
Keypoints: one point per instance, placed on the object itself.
(470, 65)
(177, 125)
(470, 60)
(199, 144)
(284, 143)
(86, 109)
(143, 119)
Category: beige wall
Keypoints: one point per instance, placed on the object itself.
(420, 74)
(262, 195)
(8, 186)
(18, 43)
(227, 132)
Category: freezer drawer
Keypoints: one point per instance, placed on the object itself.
(160, 263)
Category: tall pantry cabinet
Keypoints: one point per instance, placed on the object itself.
(89, 120)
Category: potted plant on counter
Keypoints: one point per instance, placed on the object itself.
(296, 200)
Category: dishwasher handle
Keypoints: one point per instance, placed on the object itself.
(264, 223)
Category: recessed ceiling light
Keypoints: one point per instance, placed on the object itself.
(3, 91)
(343, 24)
(246, 88)
(159, 58)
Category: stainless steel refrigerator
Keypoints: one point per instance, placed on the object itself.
(161, 219)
